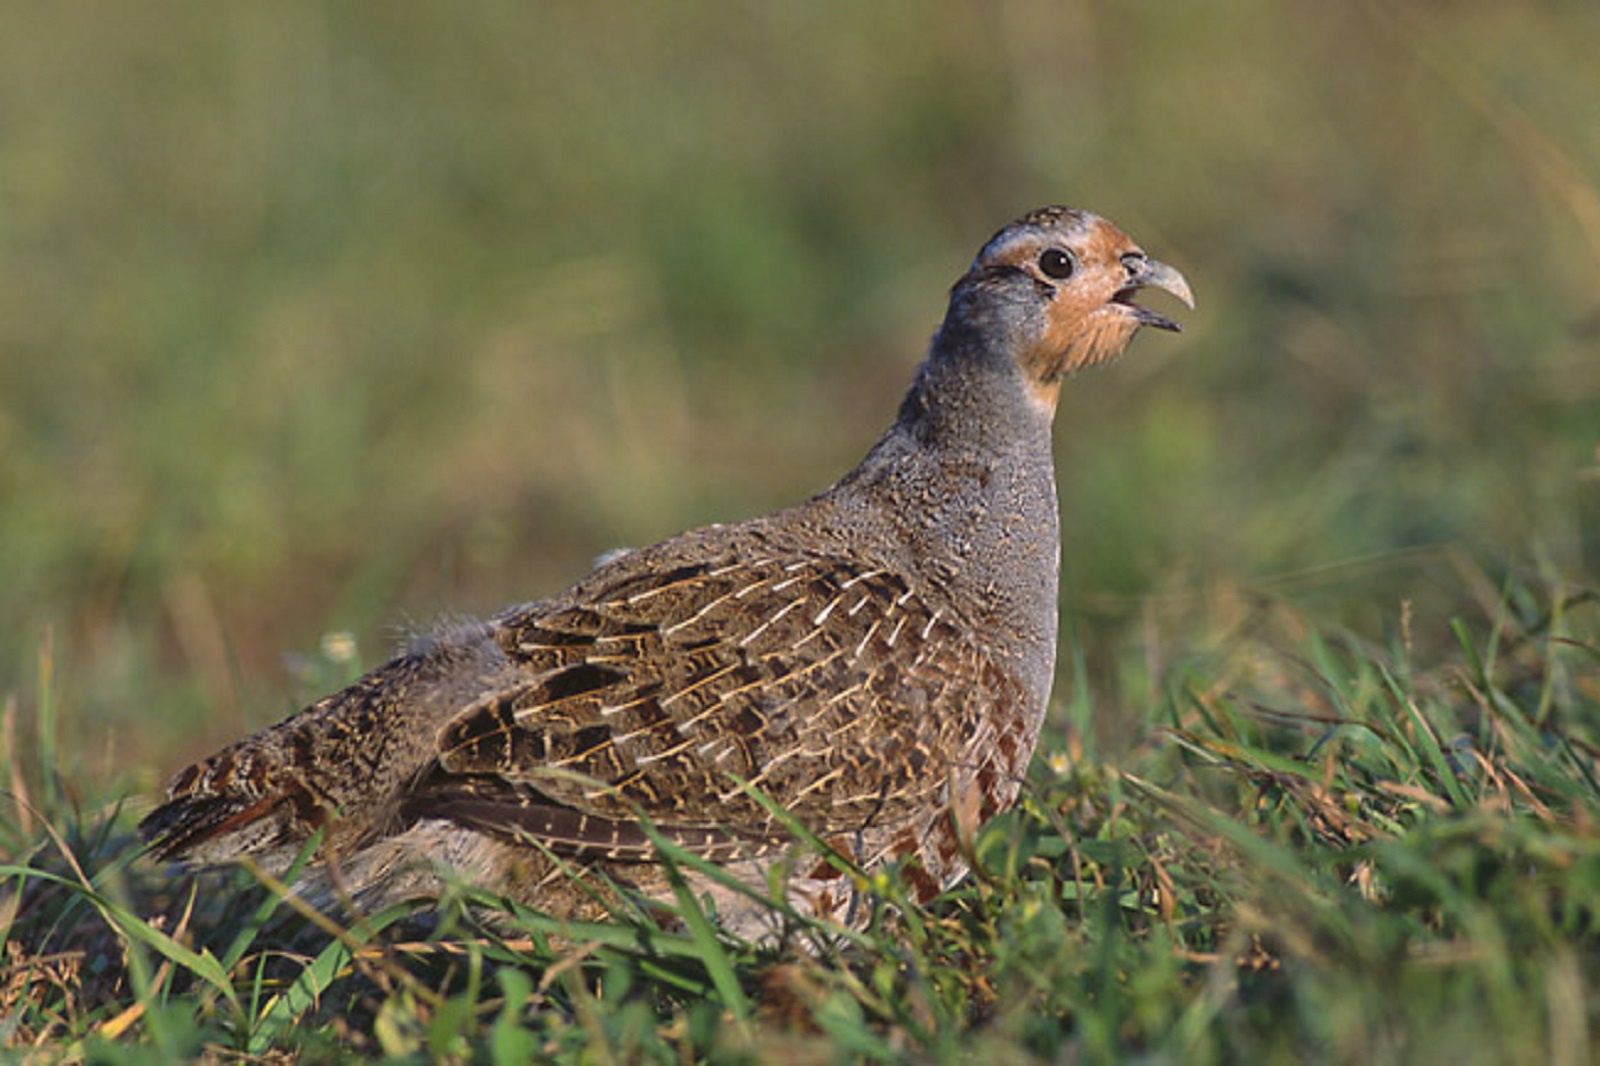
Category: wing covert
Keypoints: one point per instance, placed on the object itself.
(829, 685)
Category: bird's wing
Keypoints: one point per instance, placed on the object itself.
(668, 690)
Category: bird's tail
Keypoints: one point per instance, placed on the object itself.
(338, 766)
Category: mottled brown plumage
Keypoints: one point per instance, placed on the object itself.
(877, 660)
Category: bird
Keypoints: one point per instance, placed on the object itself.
(872, 665)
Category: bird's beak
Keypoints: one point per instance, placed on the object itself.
(1153, 274)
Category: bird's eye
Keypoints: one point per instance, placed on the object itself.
(1055, 263)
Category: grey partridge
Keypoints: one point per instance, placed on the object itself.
(877, 660)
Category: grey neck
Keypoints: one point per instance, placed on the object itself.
(964, 481)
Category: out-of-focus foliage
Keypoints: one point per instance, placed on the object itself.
(318, 317)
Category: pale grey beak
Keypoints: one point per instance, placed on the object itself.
(1147, 273)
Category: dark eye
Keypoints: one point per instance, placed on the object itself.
(1055, 263)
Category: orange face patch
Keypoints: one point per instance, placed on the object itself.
(1082, 326)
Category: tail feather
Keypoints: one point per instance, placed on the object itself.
(204, 830)
(341, 764)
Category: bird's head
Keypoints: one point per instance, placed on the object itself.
(1054, 290)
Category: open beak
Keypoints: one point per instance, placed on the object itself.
(1151, 274)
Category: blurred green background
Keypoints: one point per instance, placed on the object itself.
(347, 317)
